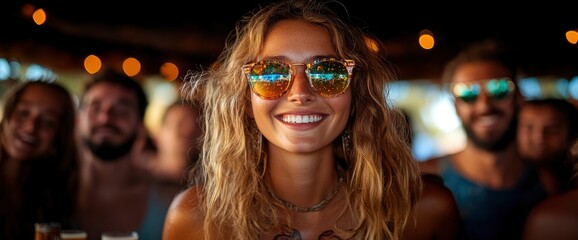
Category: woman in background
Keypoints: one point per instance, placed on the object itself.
(177, 142)
(37, 158)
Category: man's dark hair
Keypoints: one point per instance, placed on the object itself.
(565, 109)
(485, 50)
(113, 77)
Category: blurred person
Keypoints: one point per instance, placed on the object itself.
(177, 142)
(547, 128)
(436, 214)
(493, 187)
(115, 193)
(144, 149)
(555, 218)
(300, 141)
(38, 158)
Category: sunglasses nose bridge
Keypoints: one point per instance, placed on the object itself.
(300, 71)
(300, 85)
(298, 68)
(484, 96)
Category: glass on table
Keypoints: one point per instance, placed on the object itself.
(131, 235)
(72, 234)
(47, 231)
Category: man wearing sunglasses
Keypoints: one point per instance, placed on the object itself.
(494, 188)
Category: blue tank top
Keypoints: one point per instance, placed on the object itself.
(489, 213)
(153, 223)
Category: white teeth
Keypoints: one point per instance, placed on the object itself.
(488, 120)
(301, 118)
(27, 138)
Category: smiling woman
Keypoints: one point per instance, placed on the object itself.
(38, 163)
(300, 141)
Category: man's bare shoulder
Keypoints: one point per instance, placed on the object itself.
(185, 218)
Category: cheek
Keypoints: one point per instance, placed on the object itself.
(460, 108)
(462, 112)
(341, 104)
(8, 134)
(261, 107)
(523, 132)
(83, 122)
(8, 129)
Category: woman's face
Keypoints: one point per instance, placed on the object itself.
(178, 134)
(300, 121)
(31, 129)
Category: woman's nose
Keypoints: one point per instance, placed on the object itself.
(300, 90)
(31, 123)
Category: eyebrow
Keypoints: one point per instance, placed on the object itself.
(283, 58)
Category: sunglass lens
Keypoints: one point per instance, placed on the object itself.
(329, 78)
(498, 88)
(466, 92)
(269, 80)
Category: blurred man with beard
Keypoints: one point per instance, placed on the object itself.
(115, 194)
(494, 188)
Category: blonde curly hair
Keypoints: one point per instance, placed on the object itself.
(382, 178)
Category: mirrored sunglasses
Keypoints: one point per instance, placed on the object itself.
(497, 89)
(271, 79)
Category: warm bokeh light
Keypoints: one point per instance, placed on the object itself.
(131, 66)
(169, 71)
(572, 36)
(39, 16)
(92, 64)
(371, 44)
(426, 39)
(28, 10)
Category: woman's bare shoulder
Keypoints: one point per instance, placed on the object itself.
(439, 203)
(185, 218)
(563, 205)
(436, 215)
(436, 193)
(554, 218)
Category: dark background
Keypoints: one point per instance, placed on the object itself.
(192, 33)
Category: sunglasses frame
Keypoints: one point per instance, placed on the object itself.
(347, 63)
(482, 84)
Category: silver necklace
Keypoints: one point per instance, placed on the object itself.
(313, 208)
